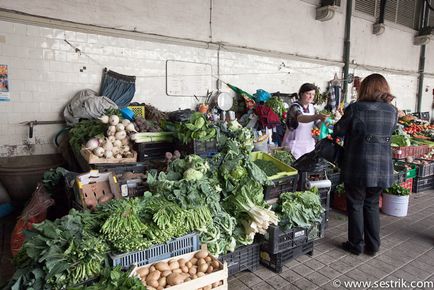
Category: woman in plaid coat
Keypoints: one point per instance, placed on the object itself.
(367, 126)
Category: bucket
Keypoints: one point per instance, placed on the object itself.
(20, 174)
(395, 205)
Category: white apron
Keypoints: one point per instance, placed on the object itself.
(300, 140)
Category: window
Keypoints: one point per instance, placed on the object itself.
(404, 12)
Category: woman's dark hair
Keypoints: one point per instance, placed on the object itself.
(305, 88)
(374, 88)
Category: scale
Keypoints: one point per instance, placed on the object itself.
(224, 103)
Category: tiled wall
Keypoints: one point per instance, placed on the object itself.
(44, 74)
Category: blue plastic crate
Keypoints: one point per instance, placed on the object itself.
(179, 246)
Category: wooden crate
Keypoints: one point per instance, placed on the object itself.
(93, 159)
(208, 279)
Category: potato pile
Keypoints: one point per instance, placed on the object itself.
(164, 275)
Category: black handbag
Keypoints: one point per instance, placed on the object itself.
(330, 151)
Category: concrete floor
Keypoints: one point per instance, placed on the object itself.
(406, 254)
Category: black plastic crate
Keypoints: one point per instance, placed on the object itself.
(423, 183)
(281, 185)
(425, 170)
(153, 150)
(275, 262)
(120, 168)
(335, 178)
(242, 259)
(279, 239)
(204, 149)
(318, 230)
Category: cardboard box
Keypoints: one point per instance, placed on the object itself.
(94, 184)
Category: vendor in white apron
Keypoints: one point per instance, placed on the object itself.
(300, 120)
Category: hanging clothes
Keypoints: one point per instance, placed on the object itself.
(117, 87)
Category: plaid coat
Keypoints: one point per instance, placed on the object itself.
(367, 128)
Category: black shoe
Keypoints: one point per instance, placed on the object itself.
(370, 252)
(347, 247)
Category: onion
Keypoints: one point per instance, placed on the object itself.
(92, 144)
(112, 128)
(125, 122)
(108, 146)
(120, 135)
(116, 150)
(99, 151)
(125, 141)
(110, 133)
(114, 120)
(133, 137)
(108, 154)
(120, 127)
(104, 119)
(118, 156)
(111, 139)
(125, 148)
(117, 143)
(131, 128)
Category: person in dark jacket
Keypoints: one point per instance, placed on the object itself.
(367, 126)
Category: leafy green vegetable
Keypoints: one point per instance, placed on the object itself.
(284, 156)
(400, 140)
(396, 189)
(114, 279)
(267, 166)
(300, 209)
(197, 128)
(85, 130)
(277, 105)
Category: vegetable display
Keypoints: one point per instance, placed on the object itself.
(300, 209)
(396, 189)
(197, 128)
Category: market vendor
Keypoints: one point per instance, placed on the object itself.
(300, 121)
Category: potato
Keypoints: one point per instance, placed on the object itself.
(192, 270)
(153, 283)
(200, 274)
(215, 264)
(166, 273)
(207, 287)
(150, 288)
(193, 261)
(210, 269)
(154, 275)
(194, 276)
(177, 271)
(201, 261)
(188, 279)
(201, 254)
(160, 288)
(208, 259)
(182, 262)
(175, 279)
(215, 284)
(162, 282)
(189, 264)
(184, 269)
(202, 268)
(162, 266)
(152, 268)
(174, 265)
(142, 271)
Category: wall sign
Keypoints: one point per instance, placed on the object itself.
(4, 83)
(185, 78)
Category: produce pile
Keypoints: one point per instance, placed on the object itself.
(175, 272)
(267, 166)
(197, 128)
(300, 209)
(284, 156)
(413, 131)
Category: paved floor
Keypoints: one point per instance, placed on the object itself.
(406, 254)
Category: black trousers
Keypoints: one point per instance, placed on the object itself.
(363, 217)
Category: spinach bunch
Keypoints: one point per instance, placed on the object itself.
(300, 209)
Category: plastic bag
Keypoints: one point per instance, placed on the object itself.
(34, 212)
(180, 115)
(330, 151)
(310, 162)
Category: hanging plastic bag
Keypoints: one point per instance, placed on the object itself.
(324, 130)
